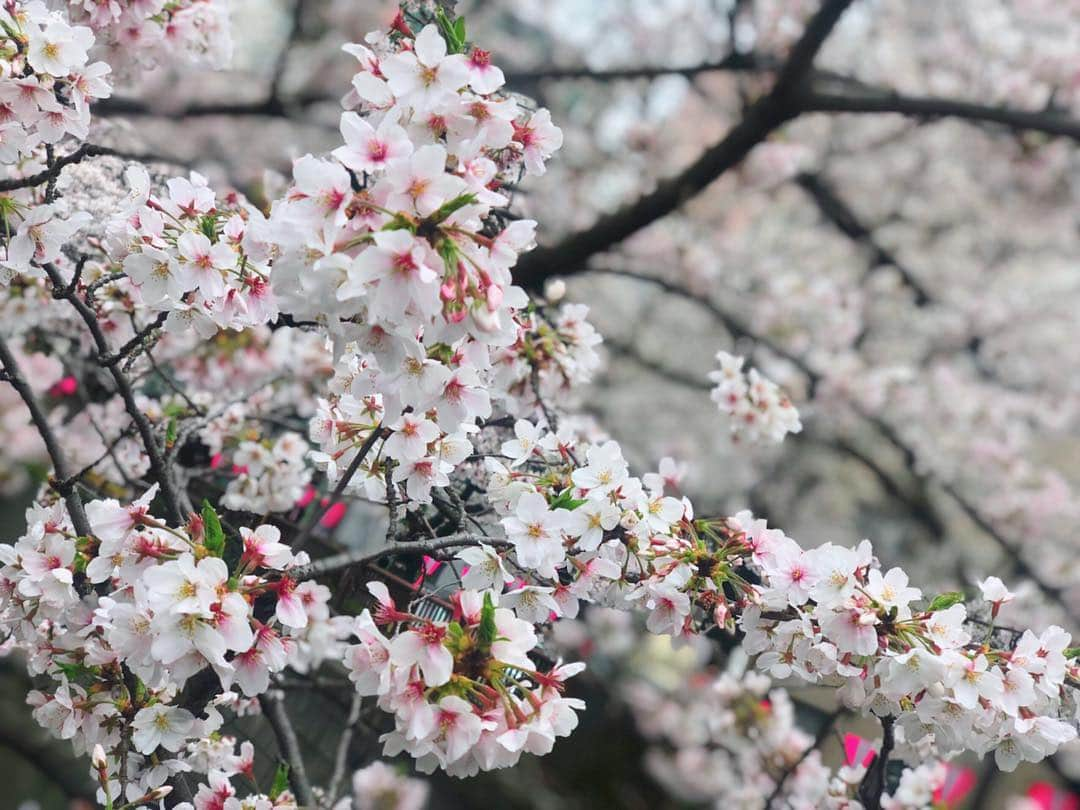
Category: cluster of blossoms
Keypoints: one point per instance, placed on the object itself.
(270, 477)
(465, 694)
(46, 82)
(144, 33)
(584, 529)
(122, 619)
(202, 260)
(395, 246)
(691, 726)
(379, 787)
(757, 407)
(831, 615)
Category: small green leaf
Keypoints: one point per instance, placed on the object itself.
(452, 31)
(399, 223)
(448, 251)
(447, 208)
(1072, 652)
(487, 632)
(170, 432)
(944, 601)
(213, 535)
(567, 501)
(208, 226)
(281, 781)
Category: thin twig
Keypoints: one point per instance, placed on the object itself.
(62, 481)
(339, 490)
(123, 386)
(341, 758)
(819, 738)
(361, 557)
(84, 151)
(273, 706)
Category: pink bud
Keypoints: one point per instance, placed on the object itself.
(1047, 797)
(858, 751)
(958, 784)
(494, 297)
(333, 516)
(65, 387)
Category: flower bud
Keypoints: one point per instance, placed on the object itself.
(98, 758)
(555, 290)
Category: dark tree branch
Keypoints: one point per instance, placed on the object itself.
(123, 386)
(931, 108)
(733, 62)
(873, 784)
(761, 119)
(361, 557)
(836, 211)
(274, 710)
(62, 480)
(819, 738)
(87, 150)
(270, 107)
(317, 514)
(133, 344)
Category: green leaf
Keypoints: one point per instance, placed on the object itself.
(945, 600)
(448, 251)
(170, 432)
(1072, 652)
(452, 31)
(487, 632)
(399, 223)
(213, 535)
(208, 225)
(566, 500)
(447, 208)
(281, 781)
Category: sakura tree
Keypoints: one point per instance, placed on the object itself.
(332, 501)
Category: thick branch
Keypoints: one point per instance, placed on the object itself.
(761, 119)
